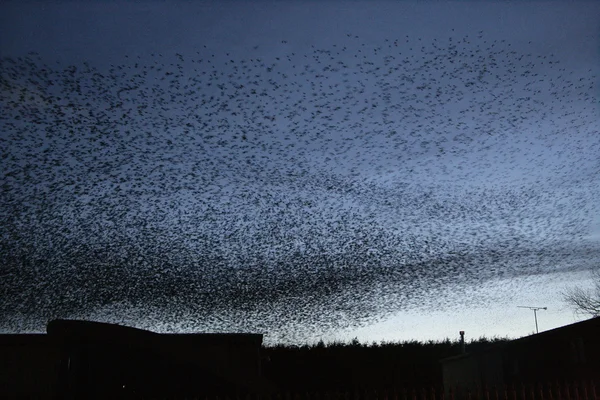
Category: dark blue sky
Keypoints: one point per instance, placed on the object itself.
(308, 170)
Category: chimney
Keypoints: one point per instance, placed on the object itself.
(462, 342)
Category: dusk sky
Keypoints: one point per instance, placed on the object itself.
(304, 169)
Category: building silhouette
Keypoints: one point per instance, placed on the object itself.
(83, 359)
(567, 354)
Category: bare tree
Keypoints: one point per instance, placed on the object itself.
(585, 301)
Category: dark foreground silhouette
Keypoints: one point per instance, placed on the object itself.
(82, 359)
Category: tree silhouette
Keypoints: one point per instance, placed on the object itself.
(585, 301)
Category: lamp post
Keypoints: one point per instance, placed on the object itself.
(535, 310)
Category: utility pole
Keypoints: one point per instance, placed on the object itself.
(535, 310)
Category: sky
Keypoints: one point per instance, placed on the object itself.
(307, 170)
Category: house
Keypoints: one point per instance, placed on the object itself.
(83, 359)
(569, 353)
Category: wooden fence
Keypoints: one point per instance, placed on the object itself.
(575, 390)
(580, 390)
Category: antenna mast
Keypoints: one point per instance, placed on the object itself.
(535, 310)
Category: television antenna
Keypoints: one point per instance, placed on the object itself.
(535, 310)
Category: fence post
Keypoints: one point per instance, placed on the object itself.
(532, 391)
(584, 389)
(550, 396)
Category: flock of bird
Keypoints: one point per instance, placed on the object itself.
(290, 193)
